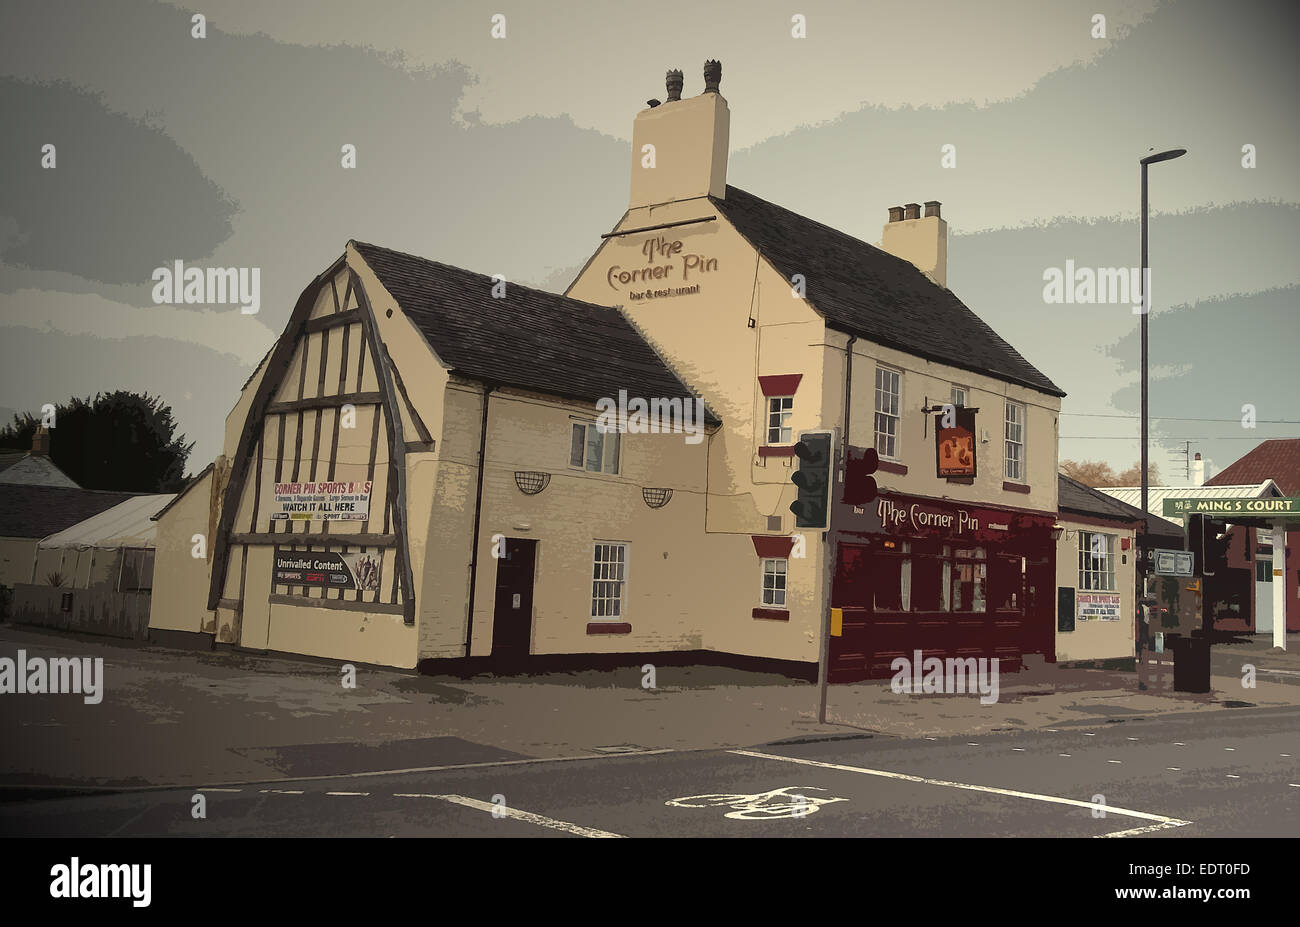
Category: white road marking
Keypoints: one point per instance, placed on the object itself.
(1284, 754)
(219, 790)
(1089, 734)
(993, 790)
(1174, 768)
(1143, 830)
(1230, 749)
(1130, 738)
(539, 819)
(400, 772)
(1231, 776)
(280, 791)
(1116, 762)
(1063, 754)
(1176, 744)
(1294, 785)
(971, 744)
(1018, 749)
(347, 793)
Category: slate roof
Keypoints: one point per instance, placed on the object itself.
(1073, 496)
(38, 511)
(1277, 460)
(530, 339)
(34, 470)
(865, 291)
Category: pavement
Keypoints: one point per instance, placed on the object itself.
(204, 719)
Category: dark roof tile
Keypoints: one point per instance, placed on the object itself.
(865, 291)
(28, 511)
(530, 339)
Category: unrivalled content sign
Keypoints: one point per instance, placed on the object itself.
(326, 568)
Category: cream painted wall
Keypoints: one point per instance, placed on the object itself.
(686, 590)
(1094, 639)
(924, 380)
(180, 580)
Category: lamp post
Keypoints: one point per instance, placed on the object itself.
(1146, 310)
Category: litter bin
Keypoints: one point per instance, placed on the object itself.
(1192, 664)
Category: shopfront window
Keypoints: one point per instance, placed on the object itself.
(970, 580)
(923, 576)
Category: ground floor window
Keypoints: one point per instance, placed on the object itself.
(774, 573)
(1096, 561)
(609, 580)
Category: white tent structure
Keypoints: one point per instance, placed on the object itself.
(114, 546)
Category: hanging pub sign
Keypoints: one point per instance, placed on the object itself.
(954, 446)
(326, 568)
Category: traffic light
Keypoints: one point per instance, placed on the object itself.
(1208, 539)
(859, 484)
(812, 507)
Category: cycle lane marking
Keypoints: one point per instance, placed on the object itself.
(966, 786)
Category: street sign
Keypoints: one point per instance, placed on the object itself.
(1180, 506)
(1173, 562)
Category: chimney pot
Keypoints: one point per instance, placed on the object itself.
(895, 213)
(1197, 457)
(932, 208)
(712, 75)
(674, 84)
(912, 211)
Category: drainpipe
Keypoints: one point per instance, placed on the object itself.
(478, 511)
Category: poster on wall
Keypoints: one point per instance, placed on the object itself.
(954, 448)
(1100, 606)
(343, 500)
(326, 568)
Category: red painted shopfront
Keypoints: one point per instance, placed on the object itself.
(950, 580)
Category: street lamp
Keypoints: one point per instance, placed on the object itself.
(1146, 310)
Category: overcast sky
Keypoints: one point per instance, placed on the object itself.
(511, 156)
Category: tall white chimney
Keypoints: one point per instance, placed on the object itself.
(923, 240)
(688, 138)
(1198, 471)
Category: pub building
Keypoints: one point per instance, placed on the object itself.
(453, 432)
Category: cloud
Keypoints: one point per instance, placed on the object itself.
(122, 196)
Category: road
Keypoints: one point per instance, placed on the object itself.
(1231, 774)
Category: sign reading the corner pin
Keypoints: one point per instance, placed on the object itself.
(673, 272)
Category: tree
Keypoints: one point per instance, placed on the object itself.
(121, 441)
(1097, 473)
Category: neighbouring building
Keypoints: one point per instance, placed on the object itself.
(1096, 574)
(418, 471)
(96, 575)
(1277, 460)
(31, 512)
(1239, 601)
(34, 467)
